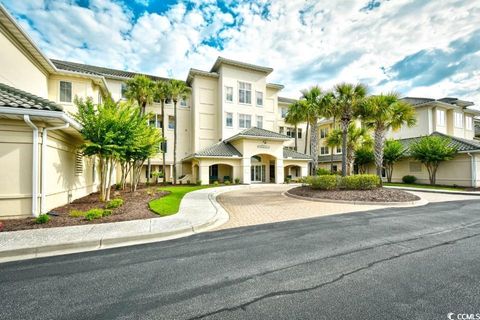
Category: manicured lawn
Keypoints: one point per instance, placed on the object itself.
(422, 186)
(170, 203)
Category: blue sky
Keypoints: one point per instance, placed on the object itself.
(415, 47)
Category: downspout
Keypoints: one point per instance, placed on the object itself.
(27, 120)
(474, 169)
(44, 162)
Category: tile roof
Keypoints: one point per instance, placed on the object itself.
(255, 132)
(462, 145)
(16, 98)
(221, 149)
(98, 71)
(290, 153)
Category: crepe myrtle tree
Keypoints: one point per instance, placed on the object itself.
(393, 151)
(431, 151)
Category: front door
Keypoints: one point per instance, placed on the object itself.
(257, 173)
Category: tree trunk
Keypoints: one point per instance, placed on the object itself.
(296, 136)
(149, 170)
(389, 171)
(378, 150)
(306, 137)
(175, 142)
(333, 148)
(102, 179)
(164, 144)
(314, 145)
(345, 124)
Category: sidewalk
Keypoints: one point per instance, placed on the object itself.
(467, 193)
(199, 211)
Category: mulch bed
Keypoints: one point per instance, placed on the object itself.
(375, 195)
(135, 207)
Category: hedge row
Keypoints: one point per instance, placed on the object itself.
(334, 182)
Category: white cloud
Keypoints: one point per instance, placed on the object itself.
(306, 42)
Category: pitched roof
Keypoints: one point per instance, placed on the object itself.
(99, 71)
(417, 101)
(289, 153)
(462, 145)
(255, 132)
(221, 60)
(221, 149)
(286, 100)
(16, 98)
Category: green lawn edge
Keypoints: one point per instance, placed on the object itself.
(421, 186)
(169, 204)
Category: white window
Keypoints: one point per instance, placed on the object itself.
(156, 121)
(469, 122)
(291, 132)
(183, 102)
(229, 119)
(323, 133)
(229, 94)
(458, 119)
(339, 149)
(281, 130)
(124, 90)
(283, 112)
(259, 122)
(65, 91)
(440, 117)
(245, 92)
(259, 96)
(171, 122)
(244, 121)
(324, 150)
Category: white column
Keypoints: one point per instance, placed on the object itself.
(279, 171)
(246, 171)
(203, 172)
(304, 167)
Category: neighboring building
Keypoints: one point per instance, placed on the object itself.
(229, 128)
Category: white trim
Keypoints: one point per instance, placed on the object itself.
(42, 113)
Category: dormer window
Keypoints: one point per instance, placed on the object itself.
(245, 92)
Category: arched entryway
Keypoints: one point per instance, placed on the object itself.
(262, 168)
(293, 172)
(220, 172)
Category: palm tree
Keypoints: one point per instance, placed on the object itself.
(178, 91)
(317, 104)
(162, 94)
(348, 98)
(382, 113)
(295, 116)
(357, 137)
(141, 89)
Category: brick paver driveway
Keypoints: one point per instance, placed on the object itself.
(266, 204)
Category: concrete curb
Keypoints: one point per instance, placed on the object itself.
(416, 203)
(464, 193)
(199, 212)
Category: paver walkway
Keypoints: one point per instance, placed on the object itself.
(266, 204)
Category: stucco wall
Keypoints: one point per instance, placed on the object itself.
(18, 69)
(81, 88)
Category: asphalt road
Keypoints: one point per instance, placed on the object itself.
(411, 263)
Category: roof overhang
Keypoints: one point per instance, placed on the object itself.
(195, 72)
(41, 115)
(239, 64)
(275, 86)
(249, 137)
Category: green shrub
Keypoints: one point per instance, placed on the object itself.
(215, 183)
(409, 179)
(76, 213)
(288, 180)
(227, 182)
(94, 214)
(237, 181)
(199, 182)
(114, 203)
(43, 218)
(106, 212)
(361, 182)
(323, 172)
(325, 182)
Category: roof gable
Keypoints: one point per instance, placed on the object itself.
(259, 133)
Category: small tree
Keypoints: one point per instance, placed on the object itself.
(392, 153)
(363, 157)
(431, 150)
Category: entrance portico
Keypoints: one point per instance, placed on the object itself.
(253, 156)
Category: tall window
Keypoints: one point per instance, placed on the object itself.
(323, 133)
(245, 92)
(441, 117)
(283, 112)
(259, 96)
(124, 90)
(469, 122)
(229, 94)
(65, 91)
(171, 122)
(339, 149)
(244, 121)
(259, 122)
(183, 102)
(299, 133)
(229, 119)
(458, 119)
(324, 150)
